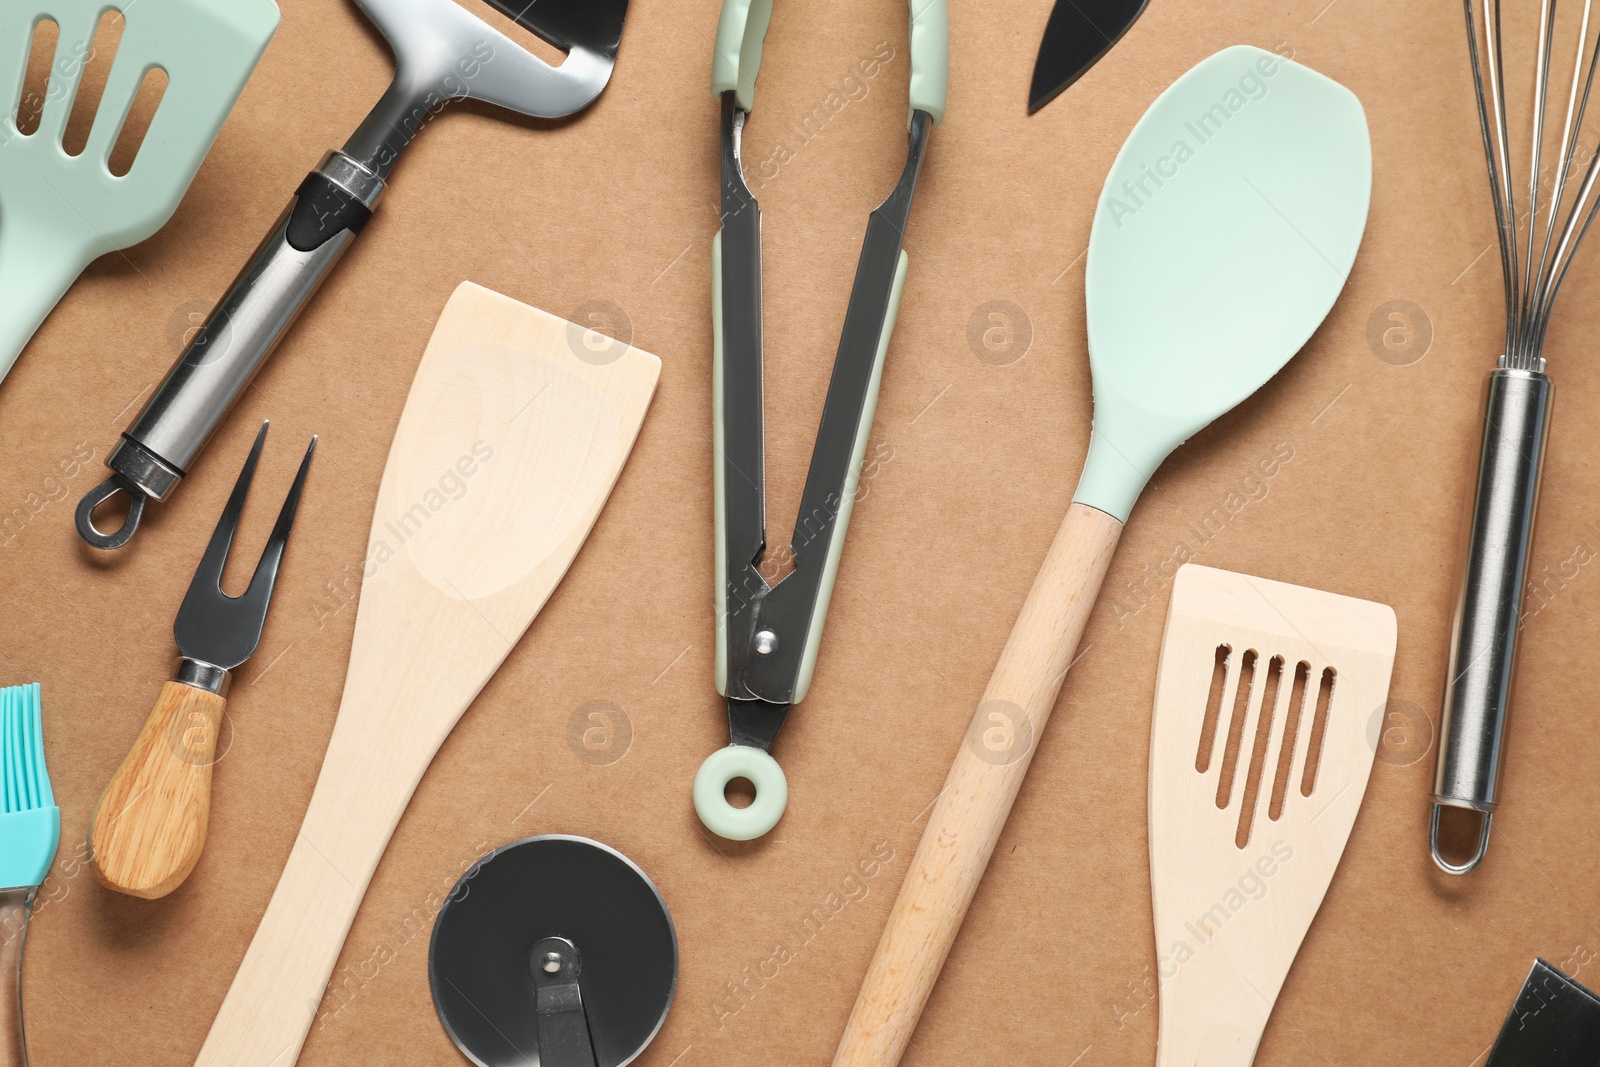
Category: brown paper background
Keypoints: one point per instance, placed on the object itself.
(1402, 966)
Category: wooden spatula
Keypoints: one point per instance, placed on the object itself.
(507, 449)
(1268, 704)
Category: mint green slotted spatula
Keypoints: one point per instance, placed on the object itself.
(59, 212)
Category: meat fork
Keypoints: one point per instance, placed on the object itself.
(149, 827)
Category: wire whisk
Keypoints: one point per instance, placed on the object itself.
(1533, 259)
(1540, 222)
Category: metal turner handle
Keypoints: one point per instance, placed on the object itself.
(1483, 643)
(443, 52)
(313, 233)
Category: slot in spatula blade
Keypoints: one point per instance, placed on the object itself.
(1268, 702)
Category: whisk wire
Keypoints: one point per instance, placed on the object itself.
(1541, 86)
(1499, 175)
(1584, 203)
(1538, 241)
(1564, 157)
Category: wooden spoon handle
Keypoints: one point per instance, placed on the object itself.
(149, 827)
(971, 811)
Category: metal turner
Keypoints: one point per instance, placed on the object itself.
(442, 53)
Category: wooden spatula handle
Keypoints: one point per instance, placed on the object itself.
(362, 791)
(274, 999)
(149, 827)
(971, 811)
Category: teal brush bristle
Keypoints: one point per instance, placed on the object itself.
(30, 822)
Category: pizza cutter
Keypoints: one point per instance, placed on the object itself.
(556, 951)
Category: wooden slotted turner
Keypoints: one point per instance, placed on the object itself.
(1250, 809)
(503, 406)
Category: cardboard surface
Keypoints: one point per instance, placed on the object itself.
(598, 719)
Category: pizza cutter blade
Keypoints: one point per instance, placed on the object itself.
(553, 951)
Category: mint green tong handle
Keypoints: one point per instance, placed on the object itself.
(744, 23)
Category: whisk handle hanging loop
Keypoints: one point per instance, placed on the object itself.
(1489, 609)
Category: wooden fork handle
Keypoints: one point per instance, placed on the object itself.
(971, 811)
(149, 827)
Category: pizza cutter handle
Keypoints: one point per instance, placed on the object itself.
(971, 811)
(149, 828)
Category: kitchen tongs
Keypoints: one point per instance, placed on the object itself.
(767, 635)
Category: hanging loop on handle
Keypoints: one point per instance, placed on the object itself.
(754, 766)
(218, 364)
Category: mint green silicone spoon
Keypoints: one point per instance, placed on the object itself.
(59, 212)
(1223, 235)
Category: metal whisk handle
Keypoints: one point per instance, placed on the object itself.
(1484, 641)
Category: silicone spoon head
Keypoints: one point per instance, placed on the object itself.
(1224, 233)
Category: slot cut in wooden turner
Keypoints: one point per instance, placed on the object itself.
(504, 406)
(1269, 703)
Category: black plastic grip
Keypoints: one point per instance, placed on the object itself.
(323, 209)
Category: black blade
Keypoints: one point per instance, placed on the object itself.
(567, 24)
(1078, 34)
(1554, 1023)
